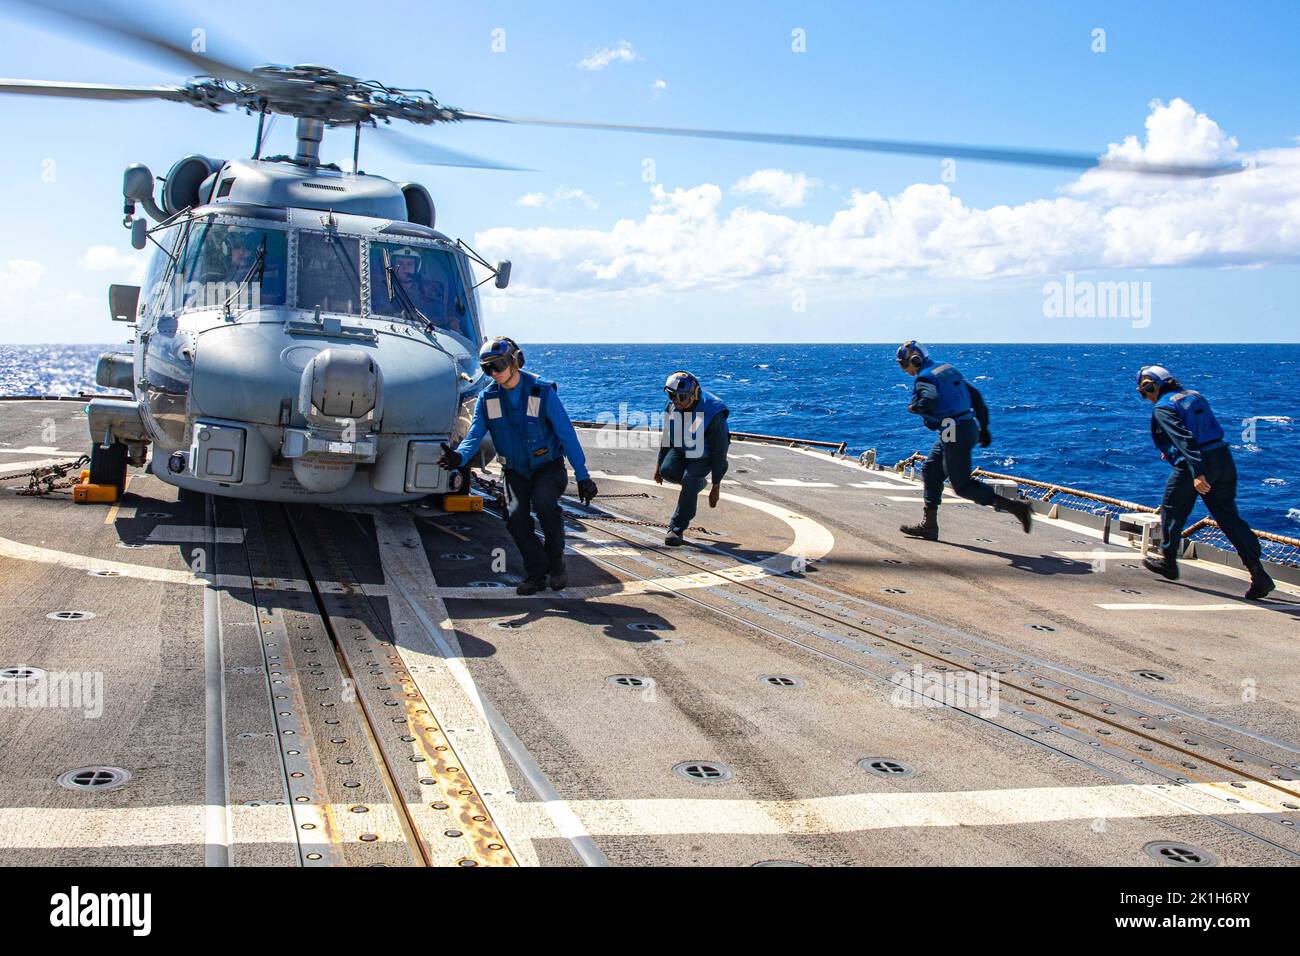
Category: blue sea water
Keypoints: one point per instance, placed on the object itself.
(1062, 413)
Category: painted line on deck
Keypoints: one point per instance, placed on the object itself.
(183, 533)
(812, 540)
(79, 562)
(406, 569)
(47, 828)
(38, 450)
(216, 782)
(794, 483)
(1239, 606)
(8, 466)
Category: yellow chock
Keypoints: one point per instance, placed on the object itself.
(462, 503)
(85, 476)
(86, 493)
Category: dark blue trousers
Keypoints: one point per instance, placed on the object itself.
(951, 460)
(1180, 498)
(538, 492)
(692, 474)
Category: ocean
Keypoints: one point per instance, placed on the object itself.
(1062, 413)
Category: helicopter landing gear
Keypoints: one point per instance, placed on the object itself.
(107, 473)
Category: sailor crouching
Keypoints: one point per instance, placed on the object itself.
(693, 448)
(533, 435)
(953, 407)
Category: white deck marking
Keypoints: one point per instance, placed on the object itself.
(795, 483)
(38, 450)
(216, 781)
(888, 485)
(904, 498)
(8, 466)
(433, 656)
(47, 828)
(181, 533)
(143, 572)
(1237, 606)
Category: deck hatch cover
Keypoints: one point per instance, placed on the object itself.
(1179, 854)
(703, 771)
(94, 778)
(886, 767)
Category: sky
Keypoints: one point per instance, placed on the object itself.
(632, 238)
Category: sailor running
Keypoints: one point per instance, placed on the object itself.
(693, 448)
(1190, 438)
(950, 405)
(533, 435)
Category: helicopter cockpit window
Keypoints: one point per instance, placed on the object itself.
(424, 278)
(328, 273)
(223, 263)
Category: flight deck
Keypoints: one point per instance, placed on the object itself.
(193, 680)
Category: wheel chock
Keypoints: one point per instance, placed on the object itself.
(462, 503)
(86, 493)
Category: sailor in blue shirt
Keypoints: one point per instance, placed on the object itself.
(692, 448)
(533, 435)
(1190, 438)
(950, 405)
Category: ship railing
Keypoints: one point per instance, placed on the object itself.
(1277, 548)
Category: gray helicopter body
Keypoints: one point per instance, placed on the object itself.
(306, 375)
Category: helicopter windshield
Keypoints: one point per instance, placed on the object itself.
(221, 262)
(328, 276)
(431, 281)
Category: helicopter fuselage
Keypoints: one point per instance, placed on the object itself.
(298, 338)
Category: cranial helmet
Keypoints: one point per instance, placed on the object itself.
(502, 347)
(912, 354)
(683, 387)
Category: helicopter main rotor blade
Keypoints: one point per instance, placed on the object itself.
(91, 91)
(990, 154)
(114, 22)
(418, 151)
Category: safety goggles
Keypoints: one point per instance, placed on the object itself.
(498, 364)
(1146, 386)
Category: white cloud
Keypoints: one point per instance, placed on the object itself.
(560, 196)
(658, 86)
(778, 187)
(19, 275)
(598, 60)
(113, 259)
(1101, 220)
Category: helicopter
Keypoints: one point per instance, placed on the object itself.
(305, 332)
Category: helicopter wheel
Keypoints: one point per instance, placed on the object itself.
(108, 465)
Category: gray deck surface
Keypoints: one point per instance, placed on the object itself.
(426, 716)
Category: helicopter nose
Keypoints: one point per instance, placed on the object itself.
(341, 383)
(341, 395)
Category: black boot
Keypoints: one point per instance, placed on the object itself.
(1260, 583)
(674, 538)
(1165, 567)
(928, 528)
(1020, 510)
(530, 586)
(557, 579)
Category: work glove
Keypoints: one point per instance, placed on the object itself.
(450, 458)
(985, 438)
(586, 491)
